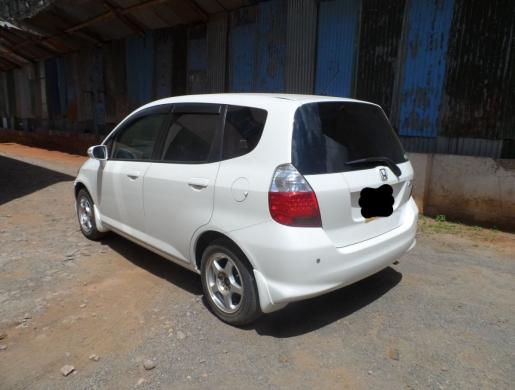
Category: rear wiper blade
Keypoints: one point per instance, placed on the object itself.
(395, 169)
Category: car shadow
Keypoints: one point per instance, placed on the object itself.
(296, 319)
(155, 264)
(18, 179)
(306, 316)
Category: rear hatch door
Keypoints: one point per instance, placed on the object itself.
(330, 142)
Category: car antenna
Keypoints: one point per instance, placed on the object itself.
(330, 82)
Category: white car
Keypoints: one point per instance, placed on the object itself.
(271, 198)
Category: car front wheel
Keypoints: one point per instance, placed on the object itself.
(86, 215)
(229, 285)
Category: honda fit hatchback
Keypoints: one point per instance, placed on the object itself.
(270, 198)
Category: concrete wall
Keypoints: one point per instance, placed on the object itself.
(475, 190)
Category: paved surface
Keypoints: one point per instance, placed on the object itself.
(442, 318)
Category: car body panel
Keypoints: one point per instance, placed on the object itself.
(169, 197)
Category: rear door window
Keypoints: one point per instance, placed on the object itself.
(191, 137)
(328, 135)
(243, 129)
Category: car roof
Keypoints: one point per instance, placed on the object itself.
(251, 99)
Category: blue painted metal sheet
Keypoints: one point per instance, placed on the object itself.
(140, 69)
(271, 47)
(197, 59)
(197, 48)
(61, 79)
(424, 68)
(337, 25)
(98, 90)
(243, 43)
(217, 29)
(53, 101)
(163, 65)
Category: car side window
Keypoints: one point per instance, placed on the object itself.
(243, 129)
(136, 141)
(190, 137)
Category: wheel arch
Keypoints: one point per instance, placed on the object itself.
(206, 238)
(79, 186)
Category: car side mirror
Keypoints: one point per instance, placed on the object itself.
(98, 152)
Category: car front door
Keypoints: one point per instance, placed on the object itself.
(179, 188)
(130, 154)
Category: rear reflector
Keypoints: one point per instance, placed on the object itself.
(291, 200)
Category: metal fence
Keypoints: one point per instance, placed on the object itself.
(443, 70)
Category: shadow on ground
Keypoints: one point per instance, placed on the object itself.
(295, 319)
(18, 179)
(306, 316)
(155, 264)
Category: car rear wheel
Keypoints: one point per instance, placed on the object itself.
(86, 215)
(228, 284)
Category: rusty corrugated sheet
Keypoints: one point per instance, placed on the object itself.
(242, 49)
(424, 69)
(381, 27)
(271, 47)
(197, 60)
(338, 22)
(480, 75)
(71, 89)
(217, 30)
(301, 38)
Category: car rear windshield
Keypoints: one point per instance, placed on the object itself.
(327, 136)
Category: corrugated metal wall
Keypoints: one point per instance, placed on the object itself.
(217, 30)
(301, 38)
(424, 67)
(242, 49)
(197, 60)
(271, 47)
(381, 28)
(337, 42)
(443, 70)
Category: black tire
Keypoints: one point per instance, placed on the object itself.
(221, 291)
(86, 210)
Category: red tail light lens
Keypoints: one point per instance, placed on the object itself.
(291, 200)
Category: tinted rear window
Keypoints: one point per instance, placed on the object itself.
(328, 135)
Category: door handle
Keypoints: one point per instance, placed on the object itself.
(133, 175)
(198, 182)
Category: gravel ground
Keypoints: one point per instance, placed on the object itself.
(443, 318)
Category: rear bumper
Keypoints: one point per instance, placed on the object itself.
(292, 264)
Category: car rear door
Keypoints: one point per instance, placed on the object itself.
(130, 152)
(179, 188)
(343, 148)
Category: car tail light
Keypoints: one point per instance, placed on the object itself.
(291, 199)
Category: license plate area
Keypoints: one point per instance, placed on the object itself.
(376, 202)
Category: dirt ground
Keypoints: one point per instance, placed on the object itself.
(443, 318)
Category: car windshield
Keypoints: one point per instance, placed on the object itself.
(328, 135)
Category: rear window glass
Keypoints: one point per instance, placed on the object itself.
(326, 136)
(243, 129)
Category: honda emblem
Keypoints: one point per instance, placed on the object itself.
(383, 174)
